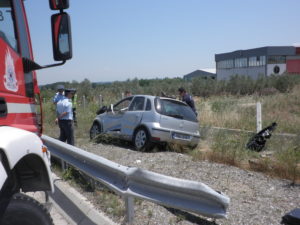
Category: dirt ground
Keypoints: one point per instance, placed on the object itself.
(256, 199)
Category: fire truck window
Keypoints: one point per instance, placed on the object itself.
(7, 31)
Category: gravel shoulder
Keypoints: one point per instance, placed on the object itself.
(255, 197)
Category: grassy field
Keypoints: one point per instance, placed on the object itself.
(281, 156)
(240, 112)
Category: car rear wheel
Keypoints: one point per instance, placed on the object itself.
(95, 130)
(141, 140)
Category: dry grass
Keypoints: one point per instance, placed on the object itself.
(285, 109)
(240, 112)
(229, 112)
(280, 157)
(275, 168)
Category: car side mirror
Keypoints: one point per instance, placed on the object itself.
(61, 37)
(59, 4)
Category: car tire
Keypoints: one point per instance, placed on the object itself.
(24, 210)
(141, 140)
(95, 130)
(193, 147)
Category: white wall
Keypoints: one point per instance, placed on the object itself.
(270, 69)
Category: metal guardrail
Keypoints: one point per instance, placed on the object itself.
(132, 182)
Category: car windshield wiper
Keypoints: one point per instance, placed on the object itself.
(175, 116)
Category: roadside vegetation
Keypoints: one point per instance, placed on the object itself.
(106, 199)
(225, 104)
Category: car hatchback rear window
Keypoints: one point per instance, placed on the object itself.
(175, 109)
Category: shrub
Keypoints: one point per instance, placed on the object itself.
(282, 83)
(203, 87)
(240, 85)
(268, 91)
(290, 162)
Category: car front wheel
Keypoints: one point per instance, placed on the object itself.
(95, 130)
(141, 140)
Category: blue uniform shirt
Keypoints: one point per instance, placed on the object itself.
(58, 97)
(65, 105)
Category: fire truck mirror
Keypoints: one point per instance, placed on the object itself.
(59, 4)
(61, 37)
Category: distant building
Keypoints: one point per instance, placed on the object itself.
(205, 73)
(258, 62)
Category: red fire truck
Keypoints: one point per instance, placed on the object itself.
(24, 160)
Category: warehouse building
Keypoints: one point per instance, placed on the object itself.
(204, 73)
(257, 62)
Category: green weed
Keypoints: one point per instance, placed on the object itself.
(229, 148)
(289, 161)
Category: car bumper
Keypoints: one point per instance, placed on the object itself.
(174, 136)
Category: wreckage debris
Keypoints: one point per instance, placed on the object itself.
(258, 141)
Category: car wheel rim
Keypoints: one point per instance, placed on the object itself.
(140, 139)
(95, 130)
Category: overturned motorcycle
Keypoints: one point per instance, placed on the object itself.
(258, 141)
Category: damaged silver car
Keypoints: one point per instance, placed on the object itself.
(146, 120)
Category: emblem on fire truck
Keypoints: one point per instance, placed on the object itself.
(10, 79)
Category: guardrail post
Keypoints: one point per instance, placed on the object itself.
(122, 95)
(100, 100)
(258, 117)
(129, 204)
(63, 165)
(83, 99)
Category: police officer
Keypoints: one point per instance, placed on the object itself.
(185, 97)
(60, 94)
(64, 112)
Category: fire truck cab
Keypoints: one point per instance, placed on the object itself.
(24, 160)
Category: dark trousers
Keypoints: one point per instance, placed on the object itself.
(74, 116)
(66, 131)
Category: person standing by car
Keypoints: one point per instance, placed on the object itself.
(64, 112)
(188, 99)
(128, 93)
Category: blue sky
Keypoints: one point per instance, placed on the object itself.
(123, 39)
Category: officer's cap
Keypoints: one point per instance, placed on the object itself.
(60, 87)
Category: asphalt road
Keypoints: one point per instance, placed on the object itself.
(58, 219)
